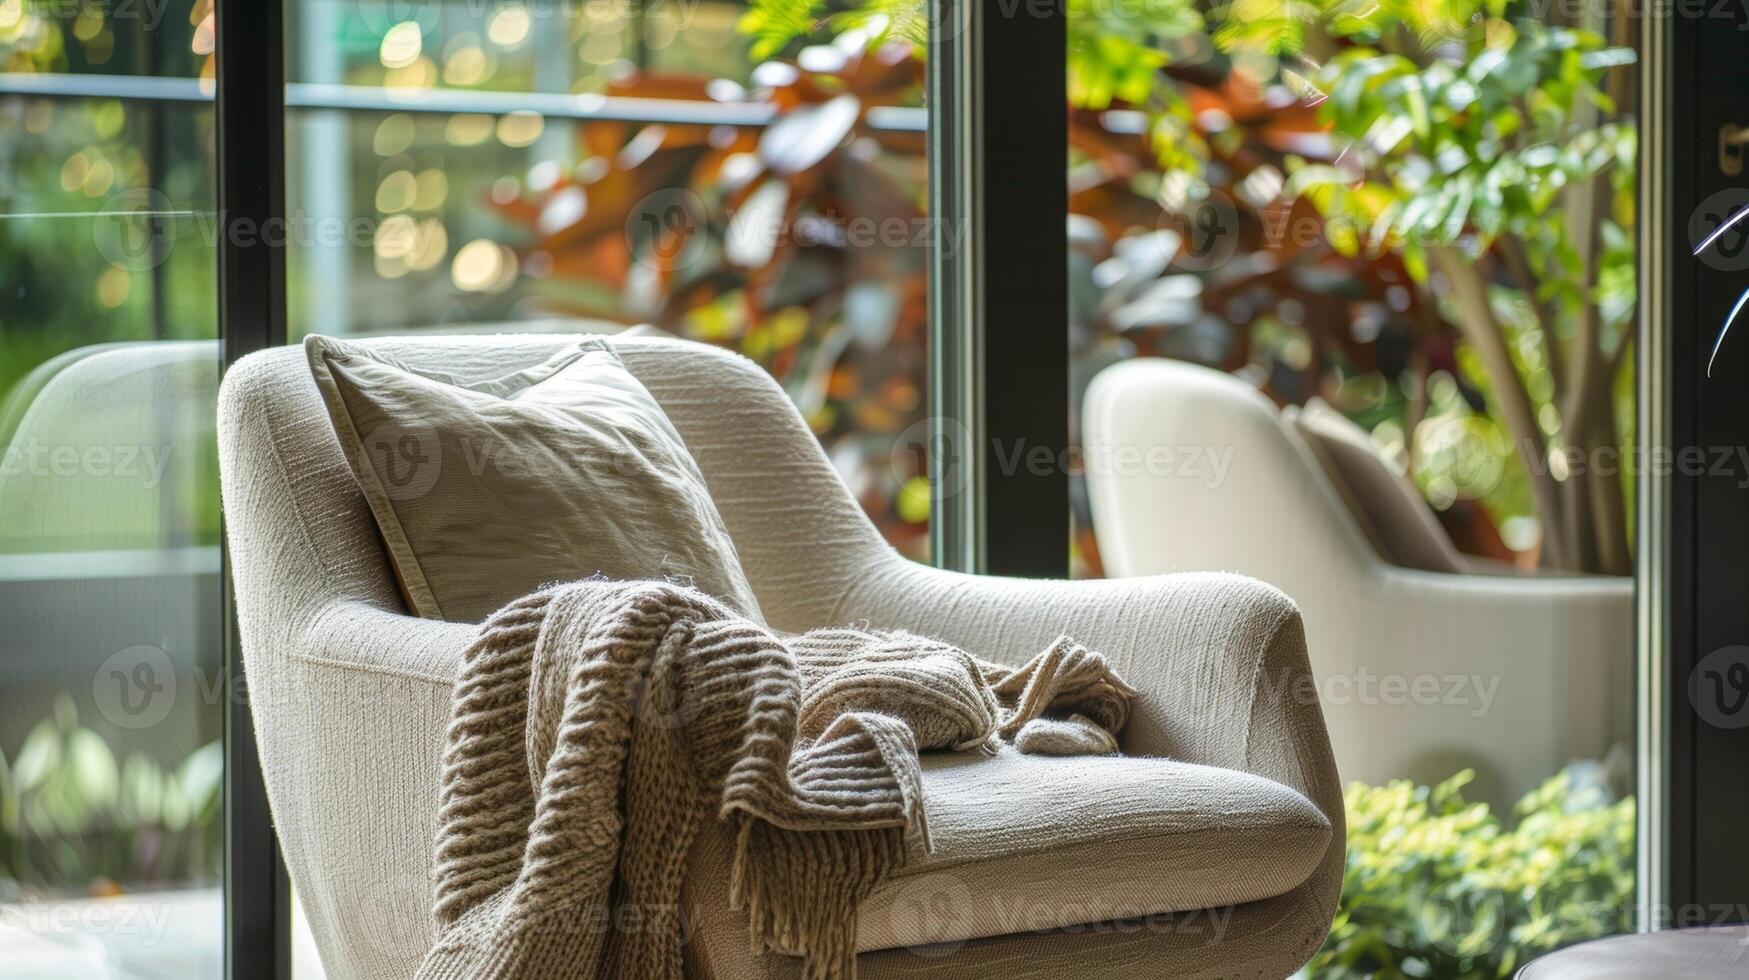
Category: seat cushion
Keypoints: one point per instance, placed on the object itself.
(1023, 843)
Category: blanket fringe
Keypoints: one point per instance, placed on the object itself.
(795, 909)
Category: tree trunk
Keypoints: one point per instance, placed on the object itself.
(1483, 331)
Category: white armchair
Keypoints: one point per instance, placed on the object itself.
(1420, 673)
(1214, 847)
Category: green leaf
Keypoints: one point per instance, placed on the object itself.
(92, 767)
(775, 23)
(1607, 58)
(174, 811)
(201, 777)
(142, 791)
(1459, 213)
(1415, 261)
(8, 801)
(40, 756)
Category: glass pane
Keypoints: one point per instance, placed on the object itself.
(746, 189)
(1353, 303)
(111, 706)
(587, 167)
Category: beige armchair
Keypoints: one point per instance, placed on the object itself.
(1421, 672)
(1212, 847)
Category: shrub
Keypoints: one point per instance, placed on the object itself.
(1437, 887)
(73, 818)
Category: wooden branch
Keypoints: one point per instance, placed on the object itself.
(1609, 505)
(1594, 499)
(1484, 332)
(1513, 251)
(1619, 356)
(1585, 354)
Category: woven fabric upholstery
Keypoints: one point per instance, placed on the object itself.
(1023, 843)
(351, 696)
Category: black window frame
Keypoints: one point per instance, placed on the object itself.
(249, 60)
(1694, 522)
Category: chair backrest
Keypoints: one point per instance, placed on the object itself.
(108, 447)
(1191, 469)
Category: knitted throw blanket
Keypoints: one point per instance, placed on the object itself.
(597, 725)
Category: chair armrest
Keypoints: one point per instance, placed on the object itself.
(351, 705)
(1219, 660)
(354, 635)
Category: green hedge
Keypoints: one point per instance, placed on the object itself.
(1437, 887)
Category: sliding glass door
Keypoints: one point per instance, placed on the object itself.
(709, 170)
(112, 691)
(717, 173)
(1347, 300)
(1355, 313)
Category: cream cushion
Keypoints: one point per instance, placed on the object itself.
(1026, 842)
(1388, 506)
(484, 491)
